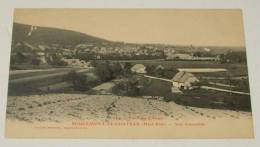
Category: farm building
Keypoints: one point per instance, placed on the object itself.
(184, 80)
(139, 68)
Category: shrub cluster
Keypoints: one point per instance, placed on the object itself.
(107, 71)
(141, 86)
(79, 81)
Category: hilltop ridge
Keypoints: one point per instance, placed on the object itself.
(46, 35)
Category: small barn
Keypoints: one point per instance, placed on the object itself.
(139, 68)
(184, 80)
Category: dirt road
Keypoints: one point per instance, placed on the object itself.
(224, 90)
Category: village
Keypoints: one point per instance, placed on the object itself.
(27, 53)
(118, 75)
(182, 78)
(160, 63)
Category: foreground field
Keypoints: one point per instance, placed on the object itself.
(68, 107)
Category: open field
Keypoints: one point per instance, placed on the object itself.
(68, 107)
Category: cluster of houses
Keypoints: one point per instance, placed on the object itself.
(99, 52)
(186, 56)
(126, 50)
(77, 63)
(181, 81)
(119, 50)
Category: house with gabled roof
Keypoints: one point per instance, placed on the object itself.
(184, 80)
(139, 68)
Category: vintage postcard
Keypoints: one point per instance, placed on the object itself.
(128, 73)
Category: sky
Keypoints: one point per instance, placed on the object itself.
(208, 27)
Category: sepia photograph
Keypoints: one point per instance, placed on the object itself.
(128, 73)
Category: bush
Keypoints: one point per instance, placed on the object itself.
(103, 72)
(127, 68)
(116, 70)
(35, 61)
(56, 60)
(127, 87)
(78, 81)
(158, 72)
(93, 63)
(107, 71)
(170, 73)
(154, 87)
(140, 86)
(19, 58)
(150, 69)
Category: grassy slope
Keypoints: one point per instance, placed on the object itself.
(44, 35)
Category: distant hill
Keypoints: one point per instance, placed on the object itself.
(47, 36)
(35, 35)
